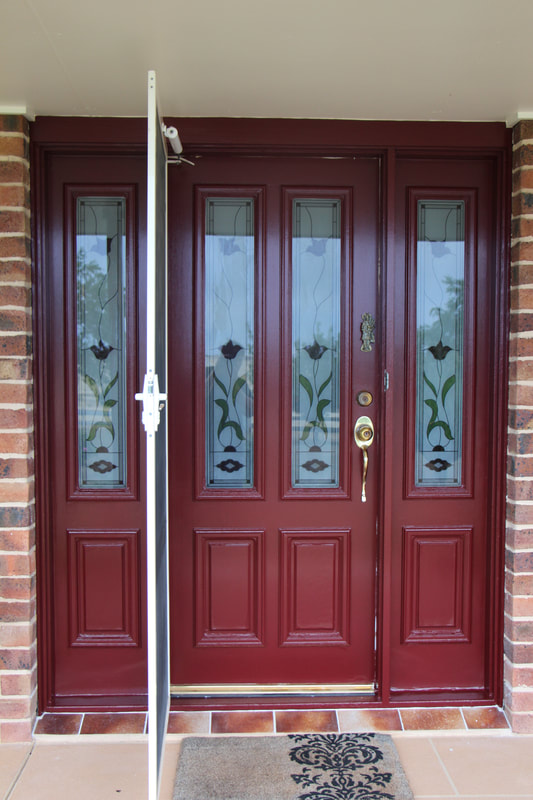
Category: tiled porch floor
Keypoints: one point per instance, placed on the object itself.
(281, 721)
(439, 766)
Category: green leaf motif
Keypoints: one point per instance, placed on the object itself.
(434, 409)
(107, 406)
(220, 384)
(225, 413)
(447, 386)
(227, 423)
(110, 385)
(320, 408)
(95, 427)
(440, 424)
(304, 382)
(430, 384)
(325, 384)
(307, 430)
(236, 427)
(237, 386)
(93, 386)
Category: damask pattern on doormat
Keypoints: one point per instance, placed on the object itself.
(344, 766)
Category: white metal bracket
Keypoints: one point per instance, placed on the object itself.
(173, 137)
(153, 402)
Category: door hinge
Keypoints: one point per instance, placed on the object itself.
(386, 380)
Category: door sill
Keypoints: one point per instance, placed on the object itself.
(271, 689)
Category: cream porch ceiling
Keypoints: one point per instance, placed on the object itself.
(348, 59)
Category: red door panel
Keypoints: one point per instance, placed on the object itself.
(274, 583)
(440, 534)
(95, 551)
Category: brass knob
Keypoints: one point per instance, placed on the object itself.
(364, 432)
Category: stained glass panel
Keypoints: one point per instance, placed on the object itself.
(439, 343)
(316, 320)
(101, 341)
(229, 342)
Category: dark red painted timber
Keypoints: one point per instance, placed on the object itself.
(466, 531)
(300, 604)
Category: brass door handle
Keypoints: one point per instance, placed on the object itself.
(363, 434)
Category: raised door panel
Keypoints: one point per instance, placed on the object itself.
(315, 588)
(437, 585)
(104, 601)
(229, 604)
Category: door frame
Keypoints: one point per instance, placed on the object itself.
(318, 138)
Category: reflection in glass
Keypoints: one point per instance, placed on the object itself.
(316, 277)
(439, 344)
(229, 342)
(101, 341)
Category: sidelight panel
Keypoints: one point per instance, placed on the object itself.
(101, 342)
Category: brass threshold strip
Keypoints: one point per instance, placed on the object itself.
(256, 689)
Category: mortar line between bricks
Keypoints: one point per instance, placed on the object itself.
(521, 502)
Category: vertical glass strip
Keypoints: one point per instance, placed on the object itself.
(439, 342)
(229, 342)
(316, 320)
(101, 341)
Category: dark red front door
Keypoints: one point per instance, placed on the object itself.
(273, 297)
(278, 270)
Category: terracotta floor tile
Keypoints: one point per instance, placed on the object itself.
(485, 717)
(379, 719)
(488, 765)
(431, 719)
(306, 721)
(113, 723)
(188, 722)
(65, 724)
(242, 722)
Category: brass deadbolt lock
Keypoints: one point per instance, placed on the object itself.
(364, 398)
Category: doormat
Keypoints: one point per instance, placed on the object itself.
(345, 766)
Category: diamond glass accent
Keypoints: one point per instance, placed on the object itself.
(229, 342)
(101, 341)
(316, 320)
(439, 342)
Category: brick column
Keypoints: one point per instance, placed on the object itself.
(18, 661)
(518, 637)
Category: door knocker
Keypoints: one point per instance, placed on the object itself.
(368, 326)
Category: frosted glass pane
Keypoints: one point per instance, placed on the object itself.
(439, 346)
(316, 277)
(101, 341)
(229, 342)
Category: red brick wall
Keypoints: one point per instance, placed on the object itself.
(518, 639)
(18, 662)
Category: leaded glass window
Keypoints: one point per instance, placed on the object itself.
(316, 325)
(229, 304)
(101, 341)
(439, 342)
